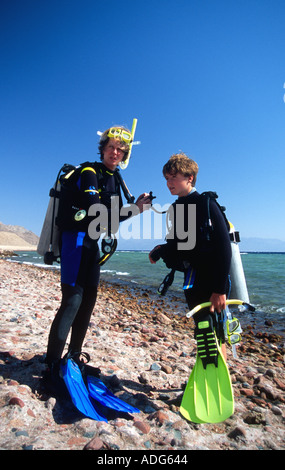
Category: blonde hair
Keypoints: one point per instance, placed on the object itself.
(180, 163)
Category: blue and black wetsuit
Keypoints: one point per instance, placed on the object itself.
(80, 271)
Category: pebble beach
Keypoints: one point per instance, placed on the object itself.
(146, 354)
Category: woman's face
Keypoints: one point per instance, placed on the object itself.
(113, 153)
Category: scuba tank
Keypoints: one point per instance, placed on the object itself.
(49, 241)
(238, 281)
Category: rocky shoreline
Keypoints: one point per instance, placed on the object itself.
(145, 354)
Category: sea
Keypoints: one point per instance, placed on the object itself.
(264, 273)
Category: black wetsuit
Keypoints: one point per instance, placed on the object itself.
(80, 271)
(209, 260)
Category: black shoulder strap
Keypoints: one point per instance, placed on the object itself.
(130, 199)
(208, 226)
(121, 183)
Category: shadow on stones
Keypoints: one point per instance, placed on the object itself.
(29, 372)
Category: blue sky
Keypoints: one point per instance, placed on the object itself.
(206, 77)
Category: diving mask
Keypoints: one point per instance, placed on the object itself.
(233, 331)
(122, 134)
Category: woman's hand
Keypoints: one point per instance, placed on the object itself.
(143, 202)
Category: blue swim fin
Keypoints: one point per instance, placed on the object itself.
(98, 391)
(78, 391)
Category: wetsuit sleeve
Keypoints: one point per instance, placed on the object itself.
(88, 185)
(168, 251)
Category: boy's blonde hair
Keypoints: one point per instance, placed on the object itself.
(180, 163)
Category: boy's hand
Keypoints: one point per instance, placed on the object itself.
(154, 257)
(218, 302)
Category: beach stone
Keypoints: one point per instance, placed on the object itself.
(144, 378)
(254, 418)
(159, 416)
(270, 373)
(95, 444)
(267, 392)
(119, 343)
(143, 427)
(247, 392)
(17, 401)
(167, 369)
(163, 319)
(276, 410)
(279, 383)
(237, 432)
(154, 339)
(31, 413)
(21, 433)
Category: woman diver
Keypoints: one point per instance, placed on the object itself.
(96, 183)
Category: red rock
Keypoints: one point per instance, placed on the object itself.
(95, 444)
(279, 384)
(248, 392)
(153, 339)
(167, 369)
(143, 427)
(159, 416)
(12, 382)
(17, 401)
(75, 441)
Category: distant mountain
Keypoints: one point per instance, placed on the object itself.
(14, 235)
(262, 244)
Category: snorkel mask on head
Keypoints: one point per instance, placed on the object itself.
(120, 134)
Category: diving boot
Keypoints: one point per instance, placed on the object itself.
(52, 381)
(82, 359)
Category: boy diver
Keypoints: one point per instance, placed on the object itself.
(80, 254)
(208, 262)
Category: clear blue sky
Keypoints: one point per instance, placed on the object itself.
(201, 76)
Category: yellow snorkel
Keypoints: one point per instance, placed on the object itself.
(123, 165)
(228, 302)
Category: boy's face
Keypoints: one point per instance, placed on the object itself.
(178, 184)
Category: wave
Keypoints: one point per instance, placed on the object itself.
(39, 265)
(115, 272)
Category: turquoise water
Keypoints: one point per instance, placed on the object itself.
(265, 275)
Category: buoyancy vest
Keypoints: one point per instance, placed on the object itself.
(72, 210)
(205, 230)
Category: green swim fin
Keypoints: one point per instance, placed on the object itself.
(208, 397)
(187, 407)
(213, 394)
